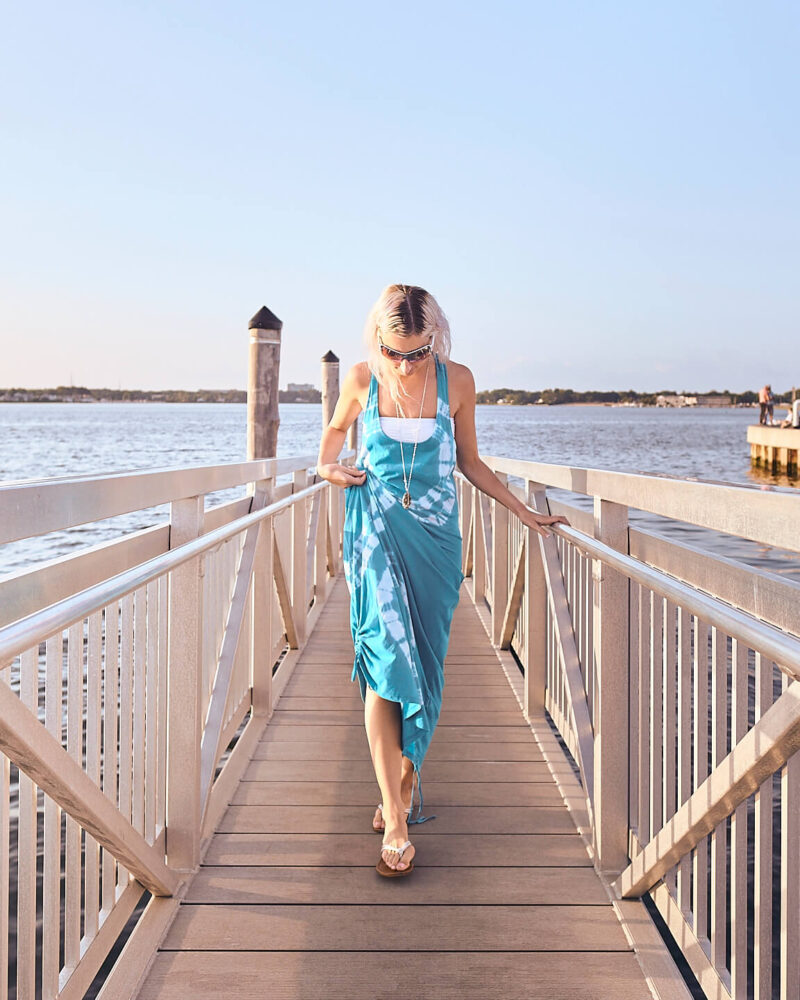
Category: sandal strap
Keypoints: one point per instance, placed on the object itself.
(380, 806)
(398, 850)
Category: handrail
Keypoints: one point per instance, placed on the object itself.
(783, 649)
(770, 517)
(37, 506)
(21, 635)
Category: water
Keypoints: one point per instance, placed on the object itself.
(41, 440)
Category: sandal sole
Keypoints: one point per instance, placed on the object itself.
(383, 869)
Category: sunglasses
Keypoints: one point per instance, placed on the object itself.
(417, 355)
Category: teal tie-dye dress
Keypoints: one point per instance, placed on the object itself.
(403, 569)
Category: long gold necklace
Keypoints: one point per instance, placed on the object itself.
(406, 501)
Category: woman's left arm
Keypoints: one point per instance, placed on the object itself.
(470, 463)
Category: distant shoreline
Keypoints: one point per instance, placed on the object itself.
(88, 396)
(143, 399)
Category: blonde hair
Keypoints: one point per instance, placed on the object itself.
(403, 311)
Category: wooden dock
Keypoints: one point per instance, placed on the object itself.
(248, 820)
(503, 902)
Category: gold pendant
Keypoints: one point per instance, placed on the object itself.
(406, 499)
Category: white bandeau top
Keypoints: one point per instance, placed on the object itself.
(405, 428)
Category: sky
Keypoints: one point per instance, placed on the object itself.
(600, 195)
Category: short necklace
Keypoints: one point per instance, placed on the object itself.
(406, 501)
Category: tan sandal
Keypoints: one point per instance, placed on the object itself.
(383, 869)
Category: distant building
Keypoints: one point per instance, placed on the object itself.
(676, 400)
(299, 387)
(714, 401)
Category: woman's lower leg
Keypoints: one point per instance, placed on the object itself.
(384, 733)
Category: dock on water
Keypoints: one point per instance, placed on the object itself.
(774, 449)
(186, 794)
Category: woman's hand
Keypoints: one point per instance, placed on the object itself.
(538, 521)
(342, 475)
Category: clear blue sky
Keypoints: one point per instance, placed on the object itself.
(600, 194)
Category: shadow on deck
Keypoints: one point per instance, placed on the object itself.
(503, 901)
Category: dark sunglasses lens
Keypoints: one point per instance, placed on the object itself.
(418, 355)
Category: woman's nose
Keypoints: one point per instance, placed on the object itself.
(405, 367)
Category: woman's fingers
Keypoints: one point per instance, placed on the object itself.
(349, 476)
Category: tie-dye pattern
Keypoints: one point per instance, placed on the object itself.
(403, 569)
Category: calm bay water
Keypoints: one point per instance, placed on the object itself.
(63, 439)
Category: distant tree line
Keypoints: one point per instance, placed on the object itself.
(82, 394)
(554, 397)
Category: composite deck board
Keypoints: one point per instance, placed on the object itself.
(456, 850)
(352, 748)
(364, 793)
(361, 770)
(282, 731)
(323, 717)
(475, 886)
(503, 900)
(453, 927)
(350, 819)
(308, 975)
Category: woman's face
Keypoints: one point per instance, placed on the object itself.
(406, 367)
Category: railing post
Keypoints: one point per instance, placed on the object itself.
(352, 437)
(184, 804)
(478, 549)
(611, 706)
(263, 602)
(465, 518)
(499, 563)
(321, 547)
(536, 630)
(299, 558)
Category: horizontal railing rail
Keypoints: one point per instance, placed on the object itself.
(784, 649)
(770, 517)
(21, 635)
(36, 507)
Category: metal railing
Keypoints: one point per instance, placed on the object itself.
(135, 678)
(671, 675)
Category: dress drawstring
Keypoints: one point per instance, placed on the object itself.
(419, 817)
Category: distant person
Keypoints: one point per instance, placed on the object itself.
(770, 407)
(792, 418)
(763, 397)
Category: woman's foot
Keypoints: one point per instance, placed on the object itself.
(378, 823)
(396, 836)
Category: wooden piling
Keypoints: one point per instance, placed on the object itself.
(330, 386)
(262, 384)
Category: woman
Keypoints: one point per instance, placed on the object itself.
(401, 542)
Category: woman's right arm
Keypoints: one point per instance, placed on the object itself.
(346, 411)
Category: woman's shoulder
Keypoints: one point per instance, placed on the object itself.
(359, 373)
(460, 384)
(356, 382)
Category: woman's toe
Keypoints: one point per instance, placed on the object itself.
(406, 859)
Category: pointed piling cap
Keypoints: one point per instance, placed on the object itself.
(264, 320)
(330, 357)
